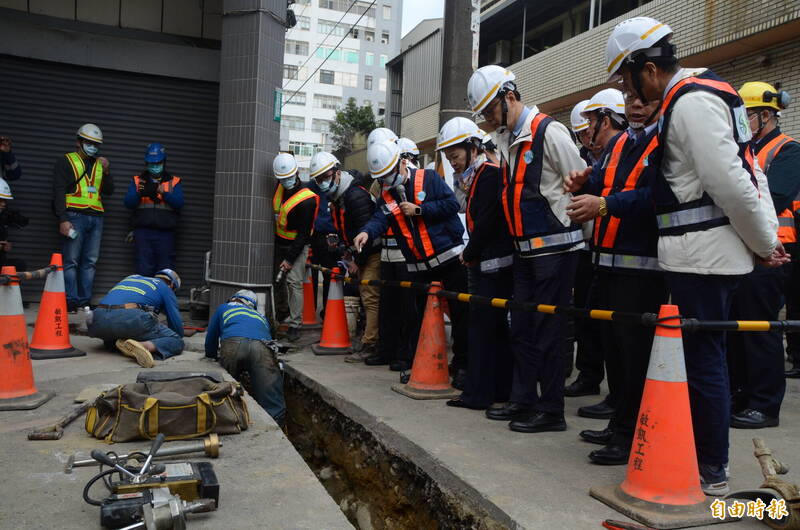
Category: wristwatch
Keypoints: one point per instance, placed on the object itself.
(417, 210)
(603, 210)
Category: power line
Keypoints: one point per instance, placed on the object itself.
(372, 4)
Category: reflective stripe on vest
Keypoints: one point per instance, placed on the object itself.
(787, 231)
(285, 208)
(624, 261)
(470, 221)
(489, 266)
(163, 187)
(422, 246)
(337, 215)
(435, 261)
(87, 189)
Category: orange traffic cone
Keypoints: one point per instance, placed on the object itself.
(17, 389)
(662, 486)
(309, 301)
(429, 376)
(51, 334)
(335, 337)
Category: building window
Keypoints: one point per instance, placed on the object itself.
(367, 82)
(304, 149)
(384, 58)
(329, 53)
(387, 12)
(326, 77)
(296, 47)
(381, 108)
(382, 84)
(303, 2)
(327, 102)
(304, 23)
(369, 59)
(350, 56)
(354, 32)
(384, 37)
(321, 126)
(369, 35)
(294, 123)
(327, 27)
(363, 7)
(291, 71)
(345, 79)
(299, 98)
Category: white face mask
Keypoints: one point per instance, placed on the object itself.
(289, 183)
(636, 125)
(392, 181)
(89, 149)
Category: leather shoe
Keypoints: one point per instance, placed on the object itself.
(752, 419)
(601, 411)
(376, 359)
(509, 412)
(597, 437)
(581, 388)
(458, 403)
(539, 422)
(611, 455)
(794, 373)
(399, 366)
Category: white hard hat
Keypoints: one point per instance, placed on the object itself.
(284, 166)
(247, 296)
(322, 162)
(381, 134)
(5, 190)
(382, 158)
(631, 36)
(407, 146)
(457, 130)
(485, 83)
(608, 98)
(91, 132)
(576, 118)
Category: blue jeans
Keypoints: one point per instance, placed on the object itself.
(155, 250)
(113, 324)
(80, 257)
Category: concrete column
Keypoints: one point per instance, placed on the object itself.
(251, 67)
(456, 59)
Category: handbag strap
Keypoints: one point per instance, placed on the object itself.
(148, 419)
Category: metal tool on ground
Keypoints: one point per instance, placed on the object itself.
(209, 446)
(168, 512)
(55, 432)
(773, 490)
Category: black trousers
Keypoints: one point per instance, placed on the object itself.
(628, 345)
(453, 277)
(396, 303)
(489, 364)
(537, 339)
(590, 356)
(793, 308)
(755, 360)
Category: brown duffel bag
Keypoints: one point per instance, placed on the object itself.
(187, 408)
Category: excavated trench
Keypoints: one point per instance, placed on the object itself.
(375, 486)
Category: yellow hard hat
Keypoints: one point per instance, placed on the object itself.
(760, 94)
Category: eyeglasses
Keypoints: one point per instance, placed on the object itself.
(488, 111)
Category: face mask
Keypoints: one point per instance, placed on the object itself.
(155, 169)
(635, 125)
(392, 181)
(332, 187)
(289, 183)
(325, 185)
(90, 149)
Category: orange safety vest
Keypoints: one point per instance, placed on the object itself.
(421, 247)
(164, 187)
(282, 210)
(470, 221)
(787, 232)
(87, 185)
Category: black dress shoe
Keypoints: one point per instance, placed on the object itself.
(611, 455)
(376, 359)
(752, 419)
(539, 422)
(460, 379)
(581, 388)
(399, 366)
(597, 437)
(601, 411)
(794, 373)
(458, 403)
(509, 412)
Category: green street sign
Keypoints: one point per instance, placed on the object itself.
(277, 104)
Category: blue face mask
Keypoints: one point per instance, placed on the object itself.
(325, 185)
(289, 183)
(90, 149)
(155, 169)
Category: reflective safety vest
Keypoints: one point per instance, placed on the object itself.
(638, 249)
(163, 187)
(531, 222)
(282, 210)
(674, 217)
(87, 186)
(787, 232)
(390, 252)
(471, 192)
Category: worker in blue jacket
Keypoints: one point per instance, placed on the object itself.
(423, 214)
(244, 335)
(127, 317)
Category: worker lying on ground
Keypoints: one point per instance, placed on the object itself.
(245, 337)
(127, 318)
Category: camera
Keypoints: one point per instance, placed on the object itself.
(12, 218)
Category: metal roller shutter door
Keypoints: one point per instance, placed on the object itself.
(44, 103)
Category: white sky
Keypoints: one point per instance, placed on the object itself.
(415, 11)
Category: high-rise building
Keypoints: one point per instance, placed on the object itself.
(337, 50)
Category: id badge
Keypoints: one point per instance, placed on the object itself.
(91, 189)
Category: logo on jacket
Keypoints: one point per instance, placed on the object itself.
(528, 157)
(421, 196)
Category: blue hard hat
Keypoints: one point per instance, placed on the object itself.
(155, 153)
(171, 276)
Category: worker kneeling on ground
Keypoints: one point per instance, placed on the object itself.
(127, 317)
(245, 347)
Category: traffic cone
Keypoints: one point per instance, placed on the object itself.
(335, 337)
(662, 485)
(310, 320)
(51, 334)
(17, 389)
(429, 376)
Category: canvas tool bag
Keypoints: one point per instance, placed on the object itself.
(187, 408)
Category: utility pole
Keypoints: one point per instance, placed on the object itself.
(459, 52)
